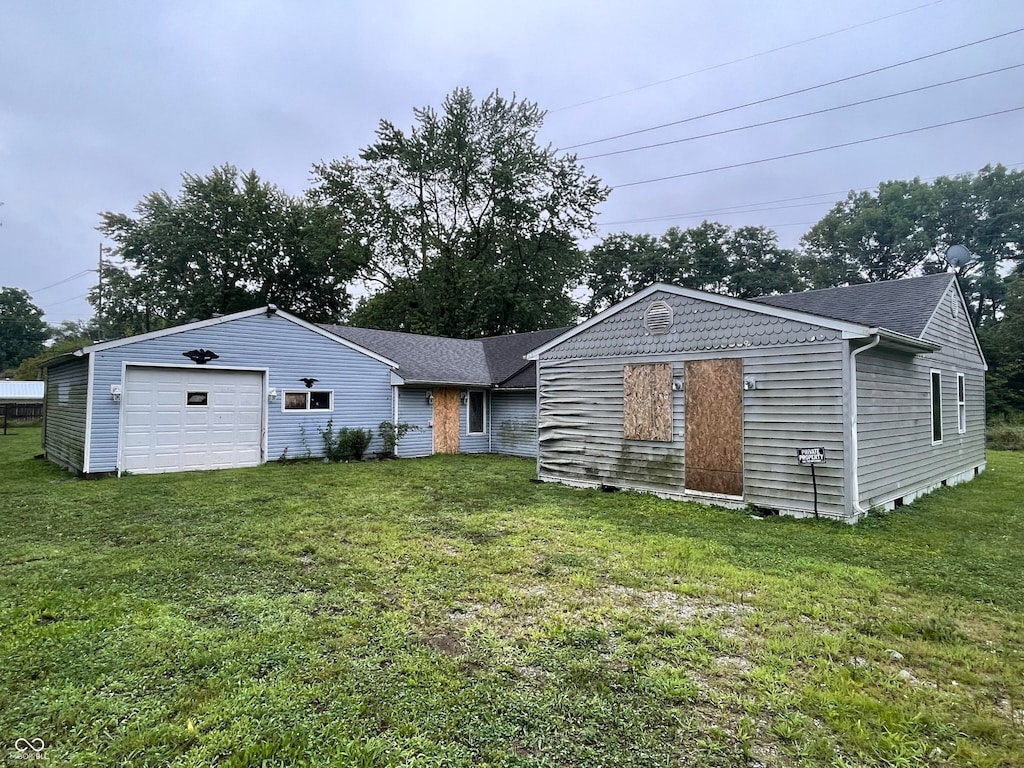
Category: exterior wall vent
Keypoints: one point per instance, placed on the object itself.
(658, 318)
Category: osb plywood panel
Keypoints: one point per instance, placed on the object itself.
(446, 420)
(647, 402)
(714, 426)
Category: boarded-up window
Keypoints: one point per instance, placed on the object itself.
(647, 402)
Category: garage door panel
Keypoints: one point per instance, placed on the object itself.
(160, 433)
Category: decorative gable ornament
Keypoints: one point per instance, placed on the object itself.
(200, 356)
(658, 318)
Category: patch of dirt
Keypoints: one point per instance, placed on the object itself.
(532, 673)
(734, 662)
(446, 644)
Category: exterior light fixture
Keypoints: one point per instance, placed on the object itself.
(430, 397)
(200, 356)
(463, 396)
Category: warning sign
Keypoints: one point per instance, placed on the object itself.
(806, 456)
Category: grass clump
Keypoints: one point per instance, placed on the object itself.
(1005, 434)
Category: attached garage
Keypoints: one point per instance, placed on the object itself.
(180, 419)
(231, 391)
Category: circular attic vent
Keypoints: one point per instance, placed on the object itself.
(658, 318)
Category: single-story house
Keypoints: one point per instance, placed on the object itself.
(20, 399)
(260, 385)
(21, 392)
(850, 398)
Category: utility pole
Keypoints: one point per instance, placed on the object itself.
(99, 300)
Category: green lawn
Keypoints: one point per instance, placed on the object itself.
(447, 611)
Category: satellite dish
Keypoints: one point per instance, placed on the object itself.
(957, 256)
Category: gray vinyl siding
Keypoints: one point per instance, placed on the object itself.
(894, 425)
(413, 408)
(479, 443)
(361, 385)
(514, 423)
(798, 402)
(65, 409)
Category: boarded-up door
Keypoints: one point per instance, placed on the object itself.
(446, 420)
(714, 426)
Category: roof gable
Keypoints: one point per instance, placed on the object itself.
(506, 356)
(270, 310)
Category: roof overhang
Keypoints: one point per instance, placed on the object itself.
(904, 343)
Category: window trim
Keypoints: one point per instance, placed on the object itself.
(307, 393)
(206, 398)
(961, 404)
(935, 396)
(483, 411)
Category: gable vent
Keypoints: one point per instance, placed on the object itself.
(658, 318)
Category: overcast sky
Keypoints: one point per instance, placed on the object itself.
(102, 102)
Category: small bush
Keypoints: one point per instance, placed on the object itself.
(390, 434)
(347, 444)
(352, 443)
(1005, 435)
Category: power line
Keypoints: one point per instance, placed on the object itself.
(61, 282)
(750, 207)
(742, 58)
(794, 93)
(818, 149)
(805, 114)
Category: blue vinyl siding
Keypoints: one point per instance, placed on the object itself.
(514, 423)
(413, 408)
(361, 385)
(479, 443)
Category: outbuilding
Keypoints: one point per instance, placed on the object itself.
(829, 402)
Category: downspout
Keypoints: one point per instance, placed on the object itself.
(854, 457)
(394, 413)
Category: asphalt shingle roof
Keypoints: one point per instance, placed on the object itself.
(904, 306)
(435, 359)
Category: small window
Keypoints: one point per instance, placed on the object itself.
(476, 413)
(309, 400)
(197, 399)
(961, 404)
(936, 407)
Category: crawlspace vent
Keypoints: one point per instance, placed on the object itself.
(658, 318)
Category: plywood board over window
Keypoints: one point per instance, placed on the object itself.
(647, 402)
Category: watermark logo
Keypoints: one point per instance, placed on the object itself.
(29, 749)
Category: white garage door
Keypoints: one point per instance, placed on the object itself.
(177, 419)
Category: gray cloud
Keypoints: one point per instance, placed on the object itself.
(101, 103)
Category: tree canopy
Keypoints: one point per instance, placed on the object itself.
(469, 226)
(22, 330)
(745, 262)
(226, 243)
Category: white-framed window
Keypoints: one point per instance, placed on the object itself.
(194, 399)
(961, 404)
(936, 395)
(308, 400)
(477, 416)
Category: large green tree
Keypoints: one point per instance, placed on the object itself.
(226, 243)
(745, 262)
(1004, 350)
(469, 225)
(906, 226)
(22, 330)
